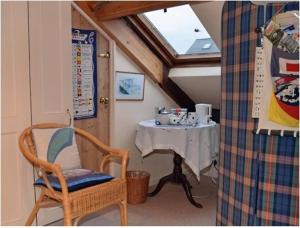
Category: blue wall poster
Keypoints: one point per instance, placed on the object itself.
(84, 73)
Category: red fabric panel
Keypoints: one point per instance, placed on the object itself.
(292, 67)
(290, 109)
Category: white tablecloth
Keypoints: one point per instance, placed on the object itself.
(197, 145)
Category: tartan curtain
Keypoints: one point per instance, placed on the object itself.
(258, 174)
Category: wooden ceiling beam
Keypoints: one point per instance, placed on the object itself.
(148, 39)
(108, 10)
(130, 44)
(135, 48)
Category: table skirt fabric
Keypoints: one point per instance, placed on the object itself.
(197, 145)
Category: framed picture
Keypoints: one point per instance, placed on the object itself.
(129, 86)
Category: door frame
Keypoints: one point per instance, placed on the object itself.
(112, 51)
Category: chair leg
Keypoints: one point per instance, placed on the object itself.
(35, 210)
(76, 221)
(67, 213)
(123, 213)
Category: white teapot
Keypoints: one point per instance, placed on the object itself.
(163, 117)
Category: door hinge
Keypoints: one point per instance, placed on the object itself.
(105, 55)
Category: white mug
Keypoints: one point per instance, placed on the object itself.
(192, 118)
(182, 117)
(174, 119)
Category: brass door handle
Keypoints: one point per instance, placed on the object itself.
(104, 100)
(105, 55)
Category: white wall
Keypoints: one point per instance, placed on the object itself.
(127, 114)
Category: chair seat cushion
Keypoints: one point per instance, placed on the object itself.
(76, 179)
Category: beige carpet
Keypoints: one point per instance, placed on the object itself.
(169, 207)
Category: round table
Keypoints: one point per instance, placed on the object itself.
(198, 145)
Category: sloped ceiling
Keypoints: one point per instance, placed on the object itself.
(202, 84)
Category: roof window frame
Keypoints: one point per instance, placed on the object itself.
(155, 40)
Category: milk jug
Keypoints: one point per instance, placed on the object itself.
(204, 113)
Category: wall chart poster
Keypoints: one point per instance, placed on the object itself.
(84, 72)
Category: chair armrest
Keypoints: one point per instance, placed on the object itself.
(43, 166)
(97, 142)
(117, 153)
(110, 152)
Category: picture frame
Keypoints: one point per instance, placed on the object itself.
(129, 86)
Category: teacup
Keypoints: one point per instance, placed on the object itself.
(182, 115)
(174, 119)
(192, 118)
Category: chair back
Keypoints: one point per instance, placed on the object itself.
(44, 142)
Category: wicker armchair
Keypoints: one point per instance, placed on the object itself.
(80, 203)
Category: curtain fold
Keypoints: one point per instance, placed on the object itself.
(257, 173)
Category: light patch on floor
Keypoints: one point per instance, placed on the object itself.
(169, 207)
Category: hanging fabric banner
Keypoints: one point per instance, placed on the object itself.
(280, 105)
(84, 71)
(284, 105)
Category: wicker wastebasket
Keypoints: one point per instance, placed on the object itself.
(137, 186)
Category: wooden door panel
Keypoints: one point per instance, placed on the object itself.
(98, 126)
(17, 193)
(50, 61)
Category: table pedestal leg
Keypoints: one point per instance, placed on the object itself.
(177, 177)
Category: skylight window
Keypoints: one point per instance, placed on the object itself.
(207, 46)
(182, 29)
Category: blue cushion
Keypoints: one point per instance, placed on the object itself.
(76, 179)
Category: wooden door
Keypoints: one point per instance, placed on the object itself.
(17, 193)
(51, 71)
(98, 126)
